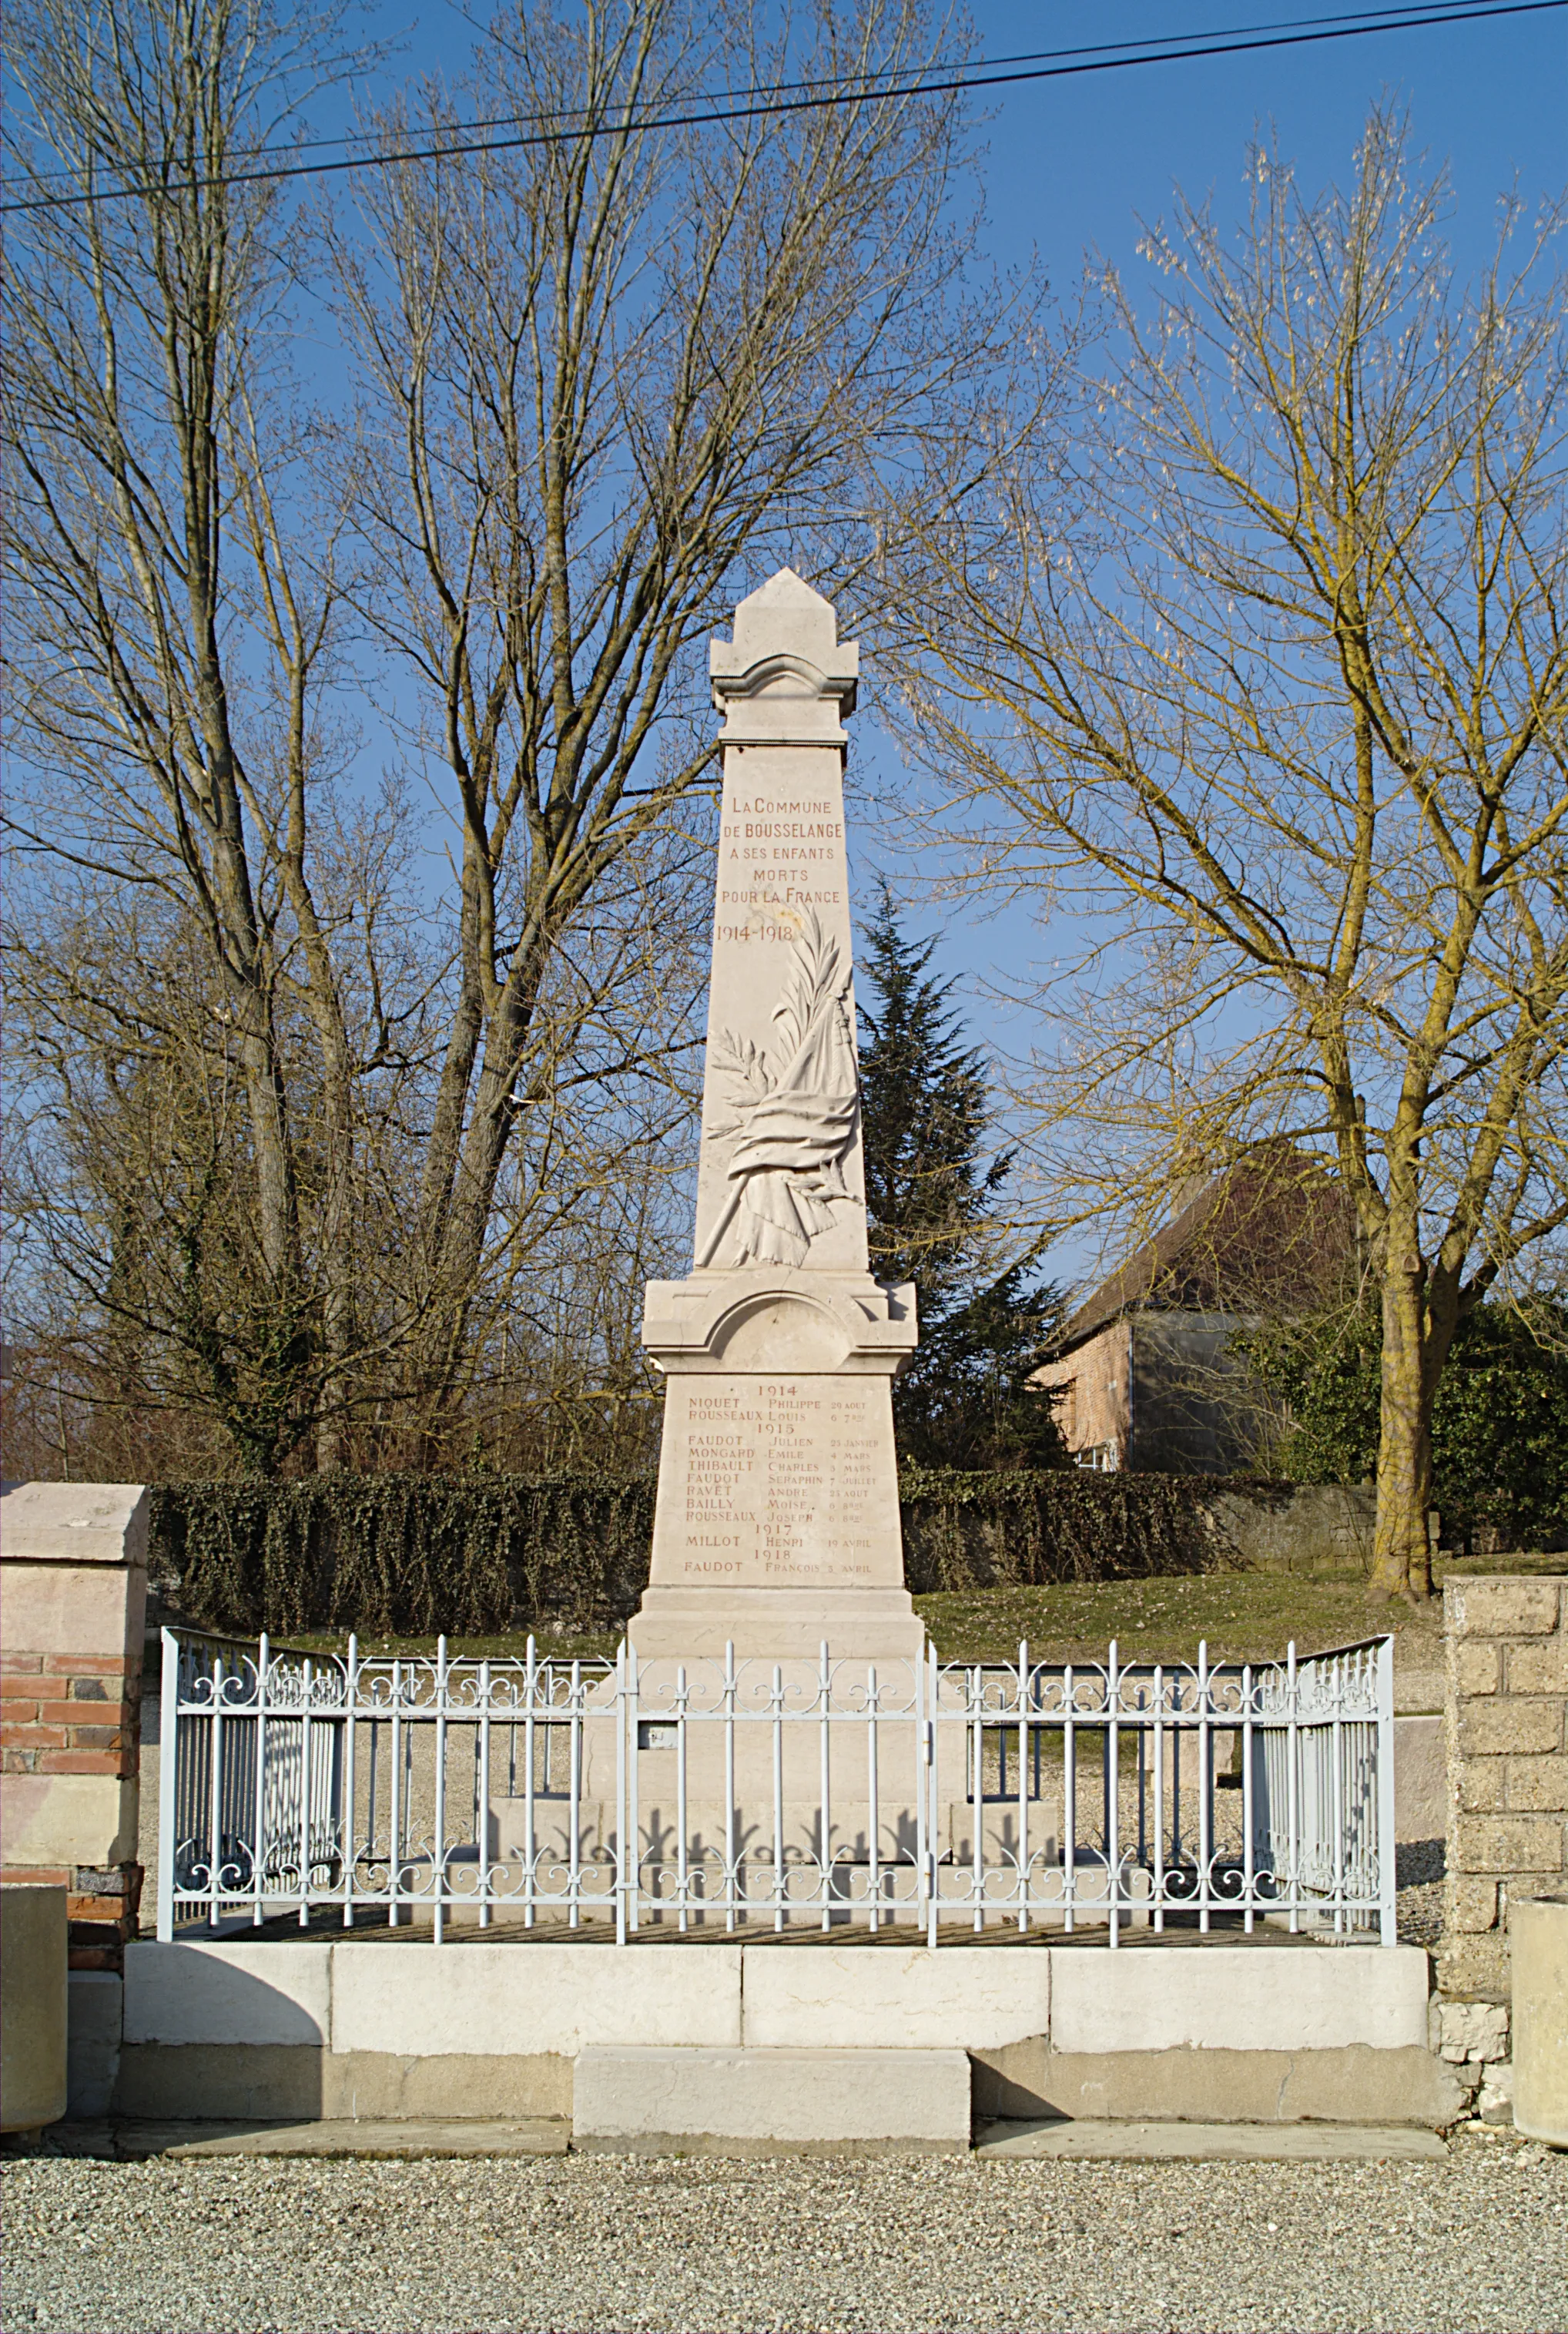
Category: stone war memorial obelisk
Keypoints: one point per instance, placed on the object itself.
(777, 1522)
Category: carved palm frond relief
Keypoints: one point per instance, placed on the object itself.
(792, 1127)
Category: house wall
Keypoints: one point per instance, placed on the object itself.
(1157, 1392)
(1095, 1381)
(1191, 1411)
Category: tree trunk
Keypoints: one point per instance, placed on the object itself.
(1402, 1550)
(472, 1192)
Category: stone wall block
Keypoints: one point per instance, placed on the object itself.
(1484, 1787)
(1503, 1608)
(1538, 1668)
(79, 1618)
(1508, 1844)
(1537, 1785)
(1478, 1667)
(1506, 1723)
(1473, 2031)
(1472, 1905)
(1474, 1964)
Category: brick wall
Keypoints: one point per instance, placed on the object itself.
(1094, 1383)
(1506, 1652)
(67, 1714)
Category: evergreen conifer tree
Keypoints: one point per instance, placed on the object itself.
(931, 1194)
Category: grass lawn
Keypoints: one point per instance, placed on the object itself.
(1244, 1616)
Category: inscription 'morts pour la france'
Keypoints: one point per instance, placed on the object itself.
(780, 1180)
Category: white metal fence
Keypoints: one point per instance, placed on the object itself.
(726, 1797)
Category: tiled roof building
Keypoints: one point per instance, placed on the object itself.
(1144, 1368)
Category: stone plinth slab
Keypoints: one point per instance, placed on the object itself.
(228, 1990)
(1349, 2084)
(94, 2017)
(533, 1999)
(33, 2013)
(772, 2101)
(1307, 1999)
(395, 2143)
(683, 1623)
(835, 1997)
(1090, 2141)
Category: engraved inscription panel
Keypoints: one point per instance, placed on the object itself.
(777, 1484)
(780, 851)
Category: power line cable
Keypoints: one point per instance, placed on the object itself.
(776, 101)
(855, 85)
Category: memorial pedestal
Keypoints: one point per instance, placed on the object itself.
(776, 1528)
(776, 1539)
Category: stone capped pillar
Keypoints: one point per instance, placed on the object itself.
(777, 1521)
(73, 1600)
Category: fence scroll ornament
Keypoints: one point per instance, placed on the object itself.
(792, 1126)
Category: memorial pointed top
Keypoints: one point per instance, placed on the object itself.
(786, 623)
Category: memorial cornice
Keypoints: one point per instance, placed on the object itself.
(868, 1329)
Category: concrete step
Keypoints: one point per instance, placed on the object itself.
(1207, 2143)
(771, 2102)
(402, 2142)
(805, 2092)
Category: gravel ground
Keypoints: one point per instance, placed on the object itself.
(614, 2244)
(1418, 1868)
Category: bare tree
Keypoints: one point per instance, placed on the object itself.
(618, 375)
(1266, 666)
(168, 642)
(137, 1259)
(609, 378)
(143, 1331)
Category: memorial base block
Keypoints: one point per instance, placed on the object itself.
(865, 1626)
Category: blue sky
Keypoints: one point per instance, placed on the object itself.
(1073, 165)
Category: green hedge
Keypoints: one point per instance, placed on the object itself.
(477, 1555)
(406, 1554)
(987, 1531)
